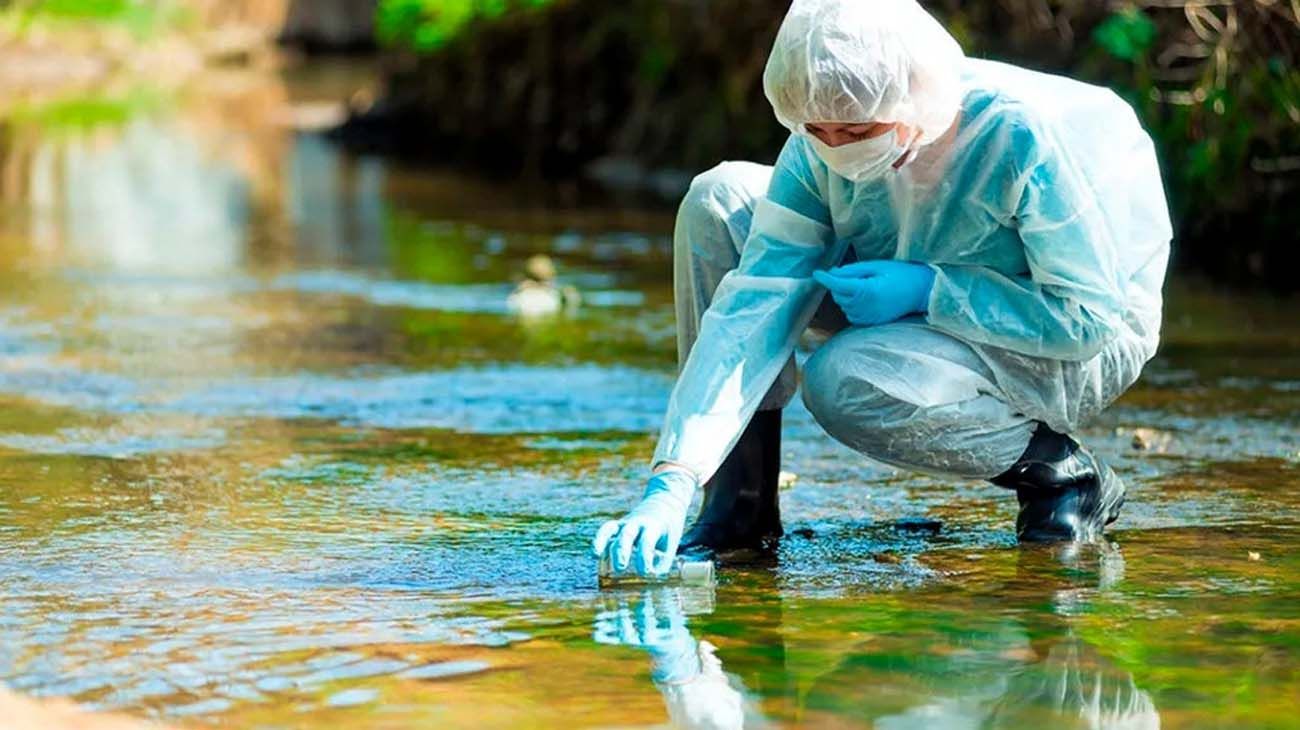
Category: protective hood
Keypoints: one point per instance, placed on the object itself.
(856, 61)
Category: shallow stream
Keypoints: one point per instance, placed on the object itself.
(275, 452)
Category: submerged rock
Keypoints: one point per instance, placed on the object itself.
(918, 525)
(539, 294)
(1149, 439)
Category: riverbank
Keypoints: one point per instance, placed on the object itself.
(52, 51)
(21, 713)
(44, 55)
(644, 94)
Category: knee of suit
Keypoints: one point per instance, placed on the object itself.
(726, 177)
(720, 200)
(841, 400)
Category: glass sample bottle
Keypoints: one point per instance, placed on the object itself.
(684, 571)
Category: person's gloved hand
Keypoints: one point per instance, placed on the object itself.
(878, 292)
(647, 538)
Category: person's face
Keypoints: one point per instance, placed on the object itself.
(834, 134)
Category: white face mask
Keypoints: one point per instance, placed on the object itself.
(864, 160)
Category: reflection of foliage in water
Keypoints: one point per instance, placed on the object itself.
(444, 254)
(441, 339)
(79, 112)
(460, 254)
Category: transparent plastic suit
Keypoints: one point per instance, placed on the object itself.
(1036, 200)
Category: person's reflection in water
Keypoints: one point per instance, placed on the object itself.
(1072, 684)
(1050, 677)
(699, 695)
(1013, 653)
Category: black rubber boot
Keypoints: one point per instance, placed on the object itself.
(741, 508)
(1066, 493)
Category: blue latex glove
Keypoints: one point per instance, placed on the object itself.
(878, 292)
(646, 539)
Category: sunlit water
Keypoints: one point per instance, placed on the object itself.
(275, 452)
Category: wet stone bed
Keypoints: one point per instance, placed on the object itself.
(290, 460)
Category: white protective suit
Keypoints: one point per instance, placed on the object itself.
(1036, 200)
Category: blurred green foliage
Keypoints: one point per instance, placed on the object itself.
(677, 83)
(1219, 89)
(1127, 34)
(1217, 84)
(426, 25)
(140, 17)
